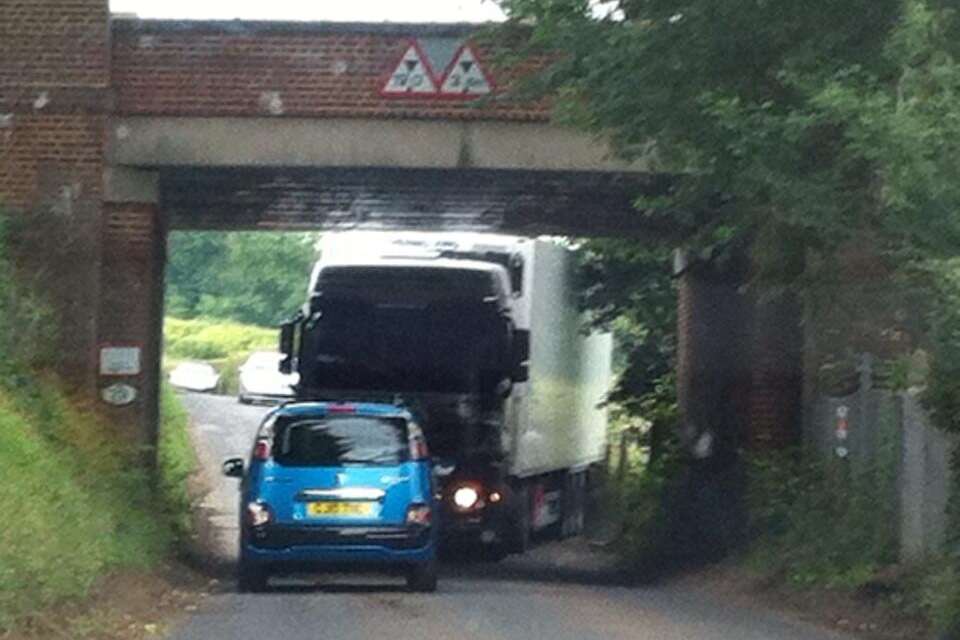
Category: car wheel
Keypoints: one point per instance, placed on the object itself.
(251, 579)
(423, 577)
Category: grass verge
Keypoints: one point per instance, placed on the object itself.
(78, 505)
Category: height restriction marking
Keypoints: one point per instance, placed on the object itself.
(461, 72)
(465, 76)
(411, 76)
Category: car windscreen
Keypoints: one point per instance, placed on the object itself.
(340, 440)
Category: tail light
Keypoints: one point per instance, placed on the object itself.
(341, 408)
(257, 514)
(419, 515)
(261, 450)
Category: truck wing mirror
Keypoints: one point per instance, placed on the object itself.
(521, 355)
(286, 347)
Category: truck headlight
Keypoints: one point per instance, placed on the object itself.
(466, 498)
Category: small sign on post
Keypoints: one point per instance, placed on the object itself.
(119, 394)
(120, 361)
(842, 431)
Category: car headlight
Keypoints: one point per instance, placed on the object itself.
(466, 497)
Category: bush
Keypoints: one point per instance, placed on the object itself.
(211, 339)
(177, 460)
(822, 523)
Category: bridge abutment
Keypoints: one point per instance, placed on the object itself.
(130, 312)
(54, 101)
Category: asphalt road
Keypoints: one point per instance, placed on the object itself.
(558, 591)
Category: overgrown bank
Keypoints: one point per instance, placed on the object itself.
(78, 501)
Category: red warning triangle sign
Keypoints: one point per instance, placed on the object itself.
(465, 76)
(412, 76)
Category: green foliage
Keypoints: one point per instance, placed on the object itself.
(205, 339)
(817, 122)
(940, 597)
(644, 501)
(627, 288)
(79, 503)
(225, 345)
(176, 460)
(251, 277)
(942, 393)
(822, 523)
(27, 331)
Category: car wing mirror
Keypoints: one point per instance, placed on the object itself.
(233, 468)
(287, 330)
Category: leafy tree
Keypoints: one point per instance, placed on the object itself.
(251, 277)
(805, 126)
(823, 135)
(627, 287)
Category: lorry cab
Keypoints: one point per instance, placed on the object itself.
(331, 486)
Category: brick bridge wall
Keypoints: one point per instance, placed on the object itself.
(65, 71)
(287, 69)
(54, 99)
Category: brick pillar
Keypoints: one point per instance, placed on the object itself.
(131, 313)
(713, 376)
(54, 101)
(777, 374)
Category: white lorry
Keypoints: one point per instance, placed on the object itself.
(480, 336)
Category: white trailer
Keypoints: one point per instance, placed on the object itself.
(550, 417)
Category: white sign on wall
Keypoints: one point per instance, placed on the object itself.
(120, 361)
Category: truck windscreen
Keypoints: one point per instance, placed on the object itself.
(407, 285)
(402, 329)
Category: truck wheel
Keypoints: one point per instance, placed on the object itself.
(423, 577)
(251, 579)
(517, 534)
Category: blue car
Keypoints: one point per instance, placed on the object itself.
(334, 487)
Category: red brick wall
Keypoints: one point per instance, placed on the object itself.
(131, 304)
(41, 149)
(714, 323)
(162, 68)
(47, 43)
(54, 76)
(777, 375)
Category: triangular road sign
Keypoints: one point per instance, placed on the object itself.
(412, 76)
(465, 76)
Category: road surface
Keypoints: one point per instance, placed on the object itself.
(552, 593)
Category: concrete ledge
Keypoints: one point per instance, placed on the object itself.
(346, 142)
(123, 184)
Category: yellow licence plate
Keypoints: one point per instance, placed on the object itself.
(339, 508)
